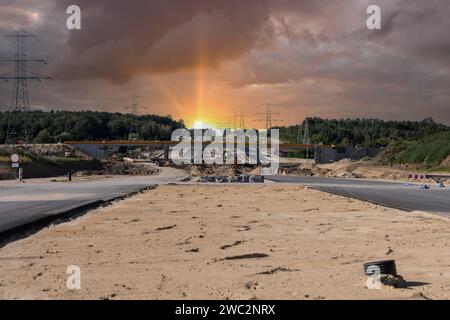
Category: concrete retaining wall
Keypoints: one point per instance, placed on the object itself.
(327, 155)
(46, 170)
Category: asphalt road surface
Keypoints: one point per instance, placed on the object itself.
(389, 194)
(25, 203)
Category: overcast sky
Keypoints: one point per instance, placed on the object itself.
(206, 59)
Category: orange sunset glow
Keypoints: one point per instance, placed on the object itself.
(215, 159)
(208, 62)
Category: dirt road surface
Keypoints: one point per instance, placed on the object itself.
(231, 242)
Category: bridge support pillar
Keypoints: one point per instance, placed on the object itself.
(166, 153)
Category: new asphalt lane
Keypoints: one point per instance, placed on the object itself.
(22, 204)
(389, 194)
(25, 203)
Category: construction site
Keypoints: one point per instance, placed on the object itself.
(114, 203)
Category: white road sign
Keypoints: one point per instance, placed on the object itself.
(15, 158)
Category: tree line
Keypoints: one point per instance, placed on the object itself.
(60, 126)
(361, 132)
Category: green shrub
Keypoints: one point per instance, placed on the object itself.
(430, 151)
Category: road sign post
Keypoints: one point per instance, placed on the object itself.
(15, 158)
(15, 164)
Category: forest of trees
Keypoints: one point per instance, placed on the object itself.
(60, 126)
(361, 132)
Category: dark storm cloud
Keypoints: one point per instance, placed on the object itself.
(401, 70)
(411, 31)
(304, 52)
(121, 39)
(13, 15)
(417, 28)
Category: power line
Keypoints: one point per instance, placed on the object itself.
(268, 117)
(306, 138)
(238, 115)
(134, 112)
(222, 125)
(20, 98)
(135, 104)
(242, 118)
(232, 120)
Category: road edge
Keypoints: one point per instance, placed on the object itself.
(65, 215)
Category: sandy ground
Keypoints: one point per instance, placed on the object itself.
(190, 242)
(360, 169)
(363, 170)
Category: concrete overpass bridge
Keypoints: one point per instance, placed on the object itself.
(322, 153)
(104, 149)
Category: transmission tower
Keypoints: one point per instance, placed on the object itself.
(135, 104)
(20, 99)
(238, 116)
(134, 112)
(306, 138)
(242, 118)
(299, 132)
(268, 117)
(232, 120)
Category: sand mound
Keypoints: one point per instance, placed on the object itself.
(345, 169)
(446, 162)
(122, 168)
(50, 151)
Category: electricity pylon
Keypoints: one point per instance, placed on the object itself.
(20, 101)
(306, 138)
(238, 115)
(268, 117)
(135, 104)
(134, 112)
(242, 118)
(299, 132)
(232, 120)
